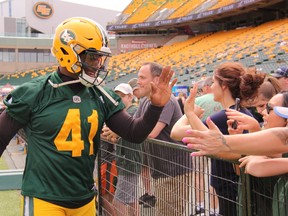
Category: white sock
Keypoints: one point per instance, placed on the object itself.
(216, 210)
(200, 205)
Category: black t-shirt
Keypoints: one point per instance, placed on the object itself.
(223, 174)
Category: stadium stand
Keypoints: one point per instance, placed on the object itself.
(166, 10)
(221, 3)
(144, 11)
(263, 47)
(131, 8)
(21, 77)
(186, 8)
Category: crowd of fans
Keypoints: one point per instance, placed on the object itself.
(214, 98)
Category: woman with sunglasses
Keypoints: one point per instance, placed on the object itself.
(262, 187)
(230, 81)
(271, 120)
(264, 166)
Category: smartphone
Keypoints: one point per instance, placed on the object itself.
(237, 106)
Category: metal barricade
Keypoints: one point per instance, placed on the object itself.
(184, 185)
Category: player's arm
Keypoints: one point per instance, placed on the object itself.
(134, 129)
(8, 128)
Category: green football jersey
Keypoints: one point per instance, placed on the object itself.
(63, 130)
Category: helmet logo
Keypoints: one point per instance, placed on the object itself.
(67, 36)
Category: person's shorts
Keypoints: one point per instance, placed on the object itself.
(108, 177)
(126, 190)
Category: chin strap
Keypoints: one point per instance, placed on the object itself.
(57, 85)
(107, 95)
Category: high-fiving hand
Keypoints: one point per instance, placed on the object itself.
(161, 92)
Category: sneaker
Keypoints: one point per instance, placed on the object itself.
(214, 214)
(143, 198)
(198, 211)
(150, 202)
(147, 200)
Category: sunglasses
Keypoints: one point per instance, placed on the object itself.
(269, 108)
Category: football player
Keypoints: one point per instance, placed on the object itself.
(62, 114)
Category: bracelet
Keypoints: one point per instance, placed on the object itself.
(224, 142)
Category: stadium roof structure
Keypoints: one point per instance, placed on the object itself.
(233, 9)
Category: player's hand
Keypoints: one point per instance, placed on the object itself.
(161, 92)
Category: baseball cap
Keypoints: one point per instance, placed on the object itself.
(281, 72)
(124, 88)
(204, 82)
(200, 84)
(133, 83)
(281, 111)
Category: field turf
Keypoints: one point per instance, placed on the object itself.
(9, 200)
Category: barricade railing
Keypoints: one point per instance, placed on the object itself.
(183, 185)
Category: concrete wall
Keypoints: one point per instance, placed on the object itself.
(63, 10)
(12, 8)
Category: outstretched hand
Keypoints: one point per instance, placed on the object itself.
(109, 135)
(250, 161)
(190, 101)
(161, 92)
(207, 142)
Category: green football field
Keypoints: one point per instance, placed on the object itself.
(9, 200)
